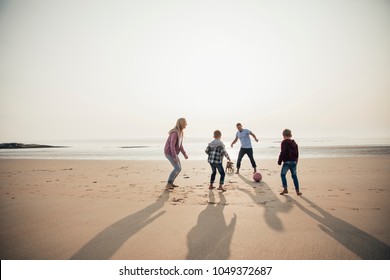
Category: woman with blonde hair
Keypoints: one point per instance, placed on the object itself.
(173, 147)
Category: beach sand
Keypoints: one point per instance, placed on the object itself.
(76, 209)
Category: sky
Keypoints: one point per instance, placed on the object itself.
(120, 69)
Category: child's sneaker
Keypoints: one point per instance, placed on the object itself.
(284, 192)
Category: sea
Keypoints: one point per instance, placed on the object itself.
(153, 149)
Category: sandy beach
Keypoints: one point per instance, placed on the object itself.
(78, 209)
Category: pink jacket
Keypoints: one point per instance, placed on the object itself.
(172, 145)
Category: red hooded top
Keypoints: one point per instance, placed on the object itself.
(289, 151)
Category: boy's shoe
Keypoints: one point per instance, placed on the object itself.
(211, 187)
(169, 187)
(175, 186)
(299, 193)
(221, 188)
(284, 192)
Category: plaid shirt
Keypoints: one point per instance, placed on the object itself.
(216, 154)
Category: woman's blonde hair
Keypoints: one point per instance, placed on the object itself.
(179, 126)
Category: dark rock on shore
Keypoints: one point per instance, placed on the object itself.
(26, 146)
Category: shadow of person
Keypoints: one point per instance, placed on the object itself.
(104, 245)
(211, 237)
(357, 241)
(266, 198)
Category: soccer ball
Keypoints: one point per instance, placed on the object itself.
(257, 177)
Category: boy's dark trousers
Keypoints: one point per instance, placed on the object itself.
(214, 168)
(242, 153)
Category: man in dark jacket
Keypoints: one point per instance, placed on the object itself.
(289, 155)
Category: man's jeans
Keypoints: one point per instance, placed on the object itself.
(242, 153)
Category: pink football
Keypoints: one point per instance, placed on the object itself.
(257, 177)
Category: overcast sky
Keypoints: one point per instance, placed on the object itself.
(120, 69)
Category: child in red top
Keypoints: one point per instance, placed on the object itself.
(289, 155)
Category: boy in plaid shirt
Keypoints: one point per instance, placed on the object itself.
(216, 151)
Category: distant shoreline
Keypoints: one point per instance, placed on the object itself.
(153, 150)
(134, 147)
(26, 146)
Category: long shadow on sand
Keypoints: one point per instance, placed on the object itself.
(357, 241)
(265, 197)
(211, 237)
(104, 245)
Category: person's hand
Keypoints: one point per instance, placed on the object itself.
(231, 145)
(185, 156)
(279, 163)
(257, 140)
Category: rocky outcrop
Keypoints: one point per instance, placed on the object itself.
(25, 146)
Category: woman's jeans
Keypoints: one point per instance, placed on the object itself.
(292, 166)
(214, 168)
(176, 169)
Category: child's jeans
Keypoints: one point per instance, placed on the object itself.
(214, 168)
(292, 166)
(176, 169)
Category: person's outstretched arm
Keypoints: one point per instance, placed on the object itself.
(254, 136)
(234, 141)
